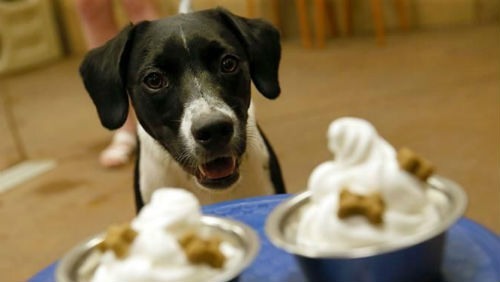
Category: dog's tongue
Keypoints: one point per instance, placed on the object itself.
(218, 168)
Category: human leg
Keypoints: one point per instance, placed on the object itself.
(96, 17)
(99, 26)
(124, 141)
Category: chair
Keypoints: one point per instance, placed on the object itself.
(322, 13)
(301, 7)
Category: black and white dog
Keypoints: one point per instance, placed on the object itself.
(189, 80)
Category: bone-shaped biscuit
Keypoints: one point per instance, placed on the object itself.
(370, 206)
(414, 164)
(118, 239)
(203, 251)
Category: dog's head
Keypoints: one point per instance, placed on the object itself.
(189, 79)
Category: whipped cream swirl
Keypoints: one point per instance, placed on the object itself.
(364, 163)
(155, 254)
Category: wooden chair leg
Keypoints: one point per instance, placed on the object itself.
(402, 10)
(331, 20)
(346, 15)
(320, 22)
(305, 33)
(378, 21)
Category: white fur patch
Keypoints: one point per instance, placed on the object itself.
(183, 38)
(202, 106)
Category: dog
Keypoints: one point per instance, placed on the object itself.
(188, 78)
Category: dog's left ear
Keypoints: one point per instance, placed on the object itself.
(262, 44)
(103, 74)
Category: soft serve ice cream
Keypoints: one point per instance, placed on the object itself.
(155, 244)
(365, 168)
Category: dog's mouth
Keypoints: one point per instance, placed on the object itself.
(219, 173)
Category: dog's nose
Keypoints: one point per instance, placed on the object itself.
(213, 130)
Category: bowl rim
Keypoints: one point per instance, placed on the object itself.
(274, 225)
(246, 235)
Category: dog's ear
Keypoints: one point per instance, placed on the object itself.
(103, 73)
(262, 45)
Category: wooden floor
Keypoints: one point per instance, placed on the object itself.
(437, 92)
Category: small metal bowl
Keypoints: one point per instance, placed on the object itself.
(414, 259)
(236, 233)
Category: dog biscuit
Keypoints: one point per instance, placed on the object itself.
(414, 164)
(118, 239)
(371, 206)
(203, 251)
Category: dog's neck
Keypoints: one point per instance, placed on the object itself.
(159, 169)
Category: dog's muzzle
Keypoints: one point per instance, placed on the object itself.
(213, 135)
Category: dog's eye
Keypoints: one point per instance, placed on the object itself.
(155, 80)
(229, 64)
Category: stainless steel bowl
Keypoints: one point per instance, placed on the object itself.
(414, 259)
(233, 232)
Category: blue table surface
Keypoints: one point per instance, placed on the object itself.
(472, 252)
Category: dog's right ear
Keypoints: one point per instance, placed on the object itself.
(103, 73)
(262, 44)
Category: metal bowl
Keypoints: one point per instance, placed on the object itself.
(236, 233)
(413, 259)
